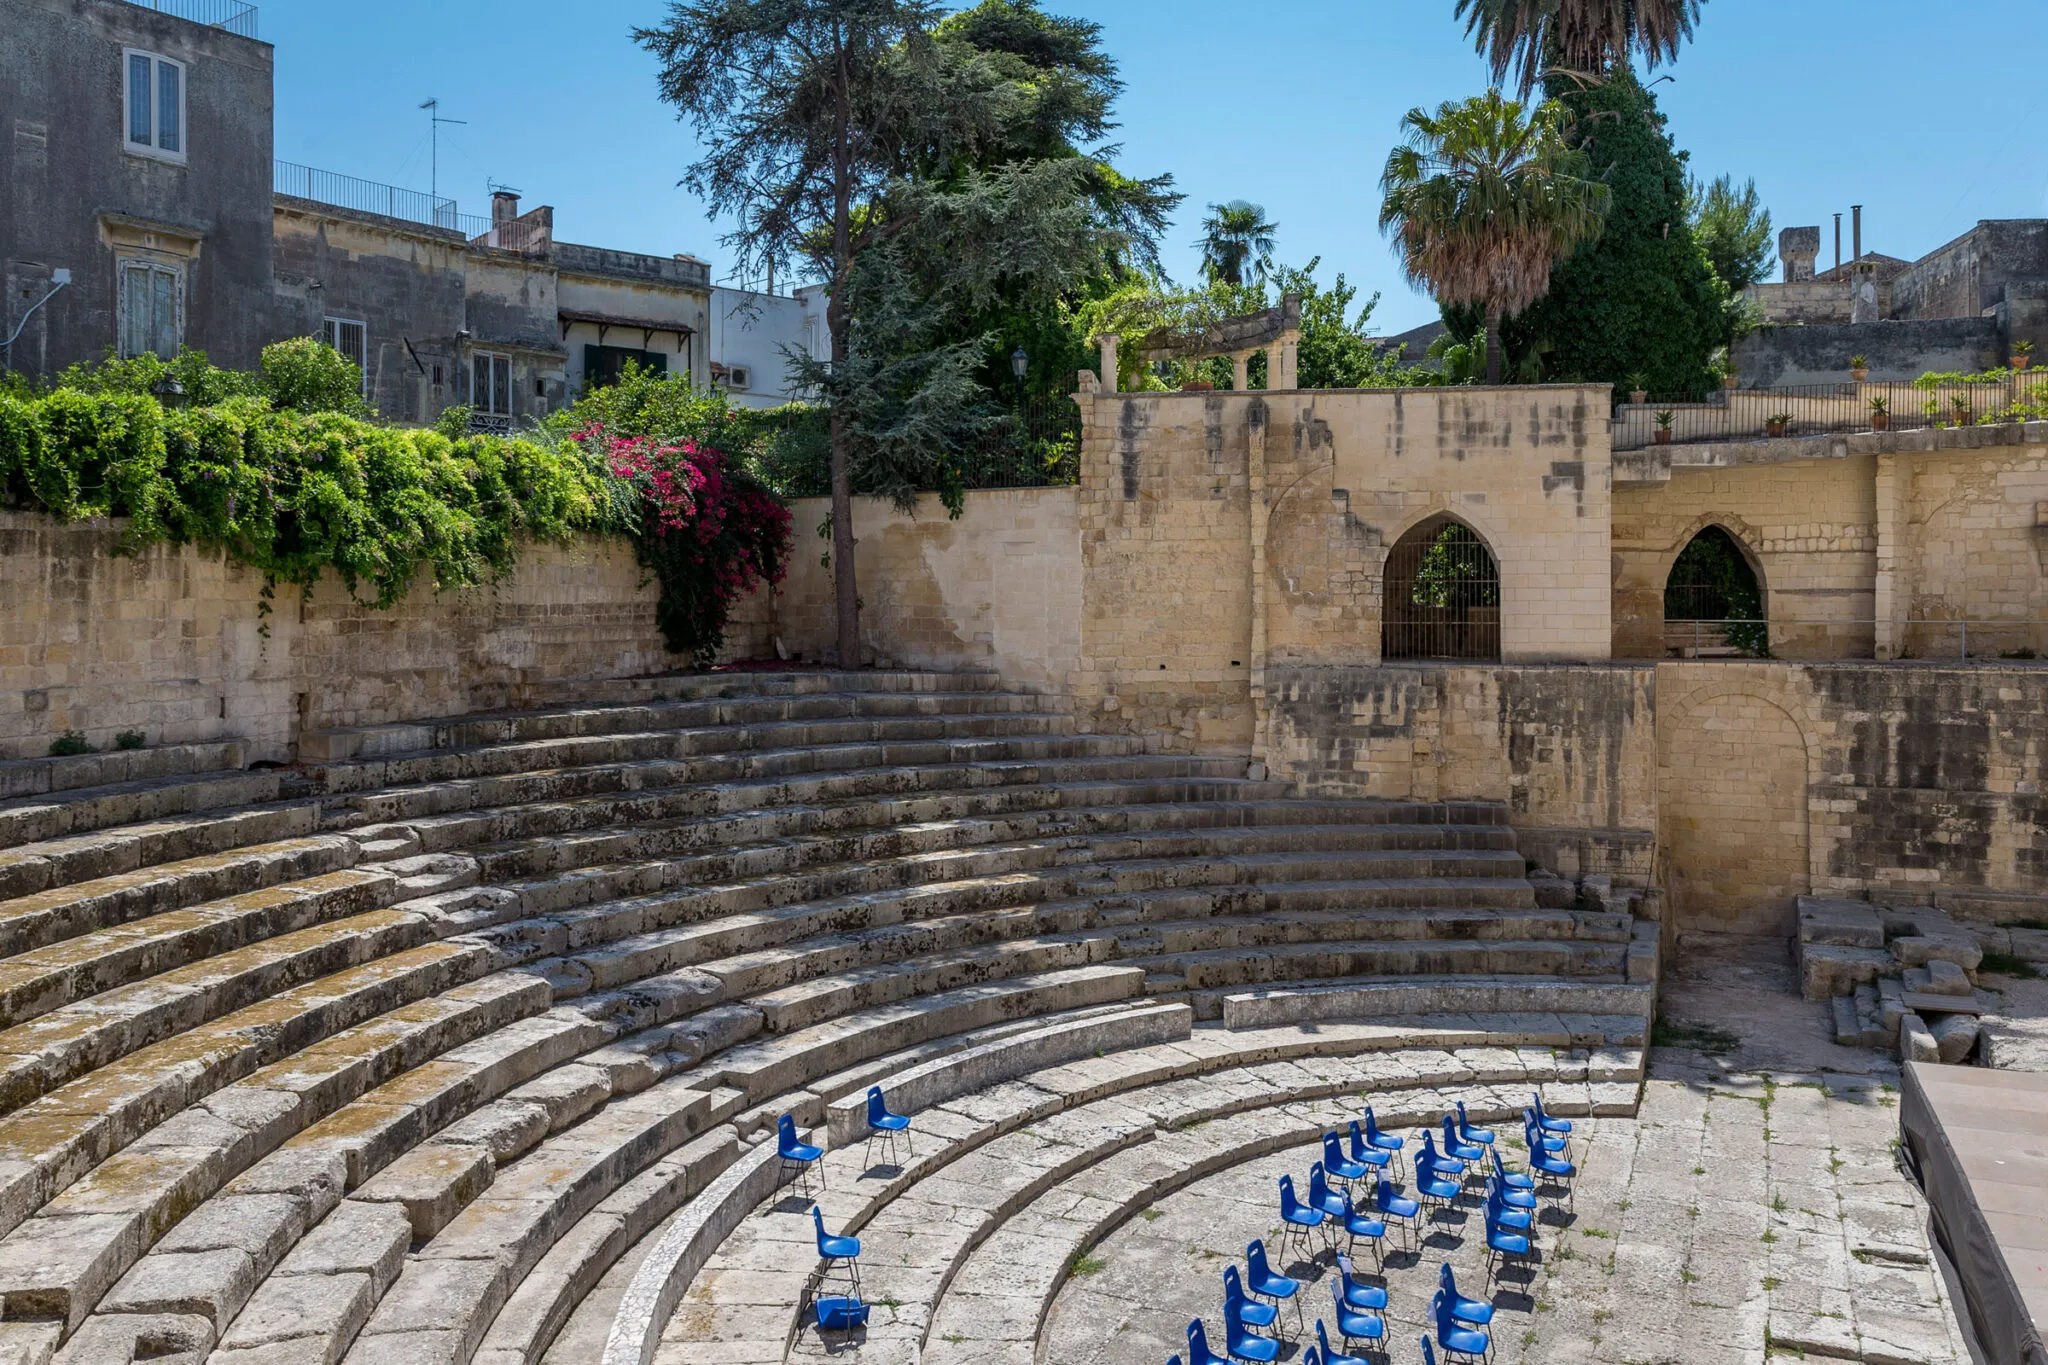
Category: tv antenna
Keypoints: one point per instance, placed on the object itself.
(433, 106)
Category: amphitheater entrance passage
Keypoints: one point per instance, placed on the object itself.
(1713, 603)
(1442, 595)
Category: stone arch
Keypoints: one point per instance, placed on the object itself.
(1746, 539)
(1440, 593)
(1735, 769)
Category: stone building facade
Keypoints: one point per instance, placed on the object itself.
(208, 242)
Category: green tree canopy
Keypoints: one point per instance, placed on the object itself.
(1482, 197)
(1642, 298)
(1237, 243)
(1734, 228)
(1532, 38)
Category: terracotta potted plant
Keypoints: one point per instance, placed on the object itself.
(1664, 427)
(1959, 410)
(1638, 389)
(1859, 368)
(1728, 377)
(1880, 415)
(1775, 424)
(2022, 354)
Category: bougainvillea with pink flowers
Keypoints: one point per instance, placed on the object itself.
(709, 531)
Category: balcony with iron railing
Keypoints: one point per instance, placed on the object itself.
(232, 16)
(1833, 409)
(368, 196)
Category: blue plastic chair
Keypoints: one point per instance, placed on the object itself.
(1497, 1211)
(1557, 1169)
(1482, 1136)
(1331, 1356)
(1503, 1244)
(1537, 1139)
(1337, 1164)
(1358, 1294)
(1475, 1312)
(1512, 1180)
(1508, 1197)
(799, 1158)
(1357, 1223)
(1253, 1312)
(1394, 1206)
(1335, 1203)
(1365, 1154)
(1375, 1138)
(885, 1127)
(1260, 1279)
(1431, 1182)
(1198, 1346)
(1428, 1353)
(844, 1313)
(1544, 1120)
(1456, 1147)
(1437, 1163)
(841, 1253)
(1354, 1324)
(1454, 1339)
(1298, 1219)
(1240, 1342)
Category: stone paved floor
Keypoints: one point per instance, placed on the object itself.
(1751, 1209)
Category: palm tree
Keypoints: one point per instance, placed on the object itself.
(1234, 235)
(1581, 36)
(1482, 198)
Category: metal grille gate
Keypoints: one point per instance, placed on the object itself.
(1442, 595)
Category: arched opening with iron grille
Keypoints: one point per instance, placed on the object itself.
(1713, 599)
(1442, 595)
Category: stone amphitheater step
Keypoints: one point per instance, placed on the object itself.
(78, 773)
(290, 1058)
(999, 1150)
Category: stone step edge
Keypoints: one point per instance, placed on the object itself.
(1265, 1141)
(41, 776)
(339, 744)
(1264, 1009)
(963, 1073)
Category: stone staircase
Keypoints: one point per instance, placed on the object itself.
(407, 1052)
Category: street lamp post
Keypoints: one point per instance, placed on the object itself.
(1019, 364)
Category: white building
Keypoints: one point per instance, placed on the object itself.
(748, 333)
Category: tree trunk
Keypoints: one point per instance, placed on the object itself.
(1493, 345)
(846, 596)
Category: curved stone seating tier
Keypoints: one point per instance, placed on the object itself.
(429, 1048)
(1072, 1150)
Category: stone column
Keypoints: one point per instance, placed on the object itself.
(1241, 371)
(1890, 496)
(1107, 341)
(1281, 361)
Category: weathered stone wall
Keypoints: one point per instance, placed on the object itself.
(174, 642)
(1000, 588)
(1223, 533)
(1572, 750)
(1773, 357)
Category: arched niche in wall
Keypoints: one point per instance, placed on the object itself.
(1714, 596)
(1441, 594)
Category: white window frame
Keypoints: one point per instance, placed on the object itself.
(124, 264)
(153, 149)
(330, 332)
(475, 403)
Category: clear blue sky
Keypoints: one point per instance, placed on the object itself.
(1291, 103)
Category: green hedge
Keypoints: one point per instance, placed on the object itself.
(258, 470)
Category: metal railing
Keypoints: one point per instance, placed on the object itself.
(1919, 637)
(1037, 446)
(1829, 409)
(367, 196)
(231, 15)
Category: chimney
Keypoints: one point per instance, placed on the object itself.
(504, 206)
(1857, 240)
(1838, 241)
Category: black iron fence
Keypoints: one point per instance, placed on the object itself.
(367, 196)
(1830, 409)
(1036, 445)
(231, 15)
(1441, 596)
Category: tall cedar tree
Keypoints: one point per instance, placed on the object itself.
(1641, 298)
(816, 117)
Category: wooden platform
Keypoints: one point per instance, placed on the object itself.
(1980, 1140)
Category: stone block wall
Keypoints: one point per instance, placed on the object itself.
(176, 642)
